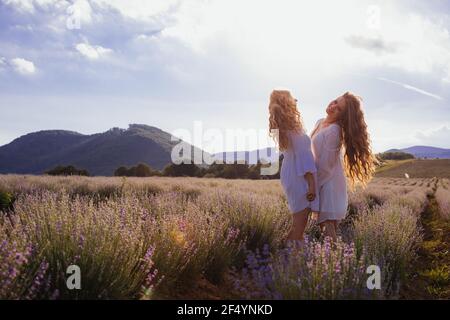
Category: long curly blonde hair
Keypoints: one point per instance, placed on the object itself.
(359, 159)
(283, 116)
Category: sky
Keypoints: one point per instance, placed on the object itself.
(88, 66)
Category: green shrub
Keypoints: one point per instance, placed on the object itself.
(6, 201)
(67, 171)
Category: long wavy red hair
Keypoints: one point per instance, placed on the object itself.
(283, 116)
(359, 158)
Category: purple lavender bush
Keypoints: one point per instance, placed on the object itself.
(309, 270)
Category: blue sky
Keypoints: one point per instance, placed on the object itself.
(88, 66)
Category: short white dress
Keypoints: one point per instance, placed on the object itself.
(297, 161)
(332, 183)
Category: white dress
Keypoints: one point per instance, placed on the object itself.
(297, 161)
(332, 182)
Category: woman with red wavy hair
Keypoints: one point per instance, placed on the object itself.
(342, 151)
(298, 170)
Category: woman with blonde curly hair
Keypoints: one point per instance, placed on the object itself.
(298, 171)
(341, 148)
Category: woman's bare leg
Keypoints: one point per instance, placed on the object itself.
(299, 222)
(329, 228)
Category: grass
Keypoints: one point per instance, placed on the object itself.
(416, 169)
(391, 164)
(430, 273)
(439, 276)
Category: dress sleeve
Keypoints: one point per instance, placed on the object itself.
(328, 156)
(304, 160)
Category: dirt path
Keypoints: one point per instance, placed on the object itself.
(205, 290)
(430, 274)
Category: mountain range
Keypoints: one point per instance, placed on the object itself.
(425, 152)
(102, 153)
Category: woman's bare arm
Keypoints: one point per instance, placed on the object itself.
(311, 195)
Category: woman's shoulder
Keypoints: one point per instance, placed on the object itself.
(334, 126)
(319, 121)
(297, 133)
(332, 130)
(299, 136)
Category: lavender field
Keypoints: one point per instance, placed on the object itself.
(173, 238)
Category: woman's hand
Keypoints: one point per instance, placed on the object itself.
(311, 195)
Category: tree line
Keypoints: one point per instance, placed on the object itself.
(216, 170)
(397, 155)
(67, 171)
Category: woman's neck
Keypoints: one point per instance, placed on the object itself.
(330, 119)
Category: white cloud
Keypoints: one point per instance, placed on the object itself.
(30, 5)
(92, 52)
(375, 44)
(426, 44)
(446, 77)
(313, 38)
(81, 10)
(59, 15)
(145, 37)
(138, 9)
(25, 28)
(439, 137)
(21, 5)
(23, 66)
(272, 37)
(2, 64)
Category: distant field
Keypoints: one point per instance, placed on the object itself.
(416, 169)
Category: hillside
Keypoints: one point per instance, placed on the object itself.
(425, 152)
(416, 169)
(100, 153)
